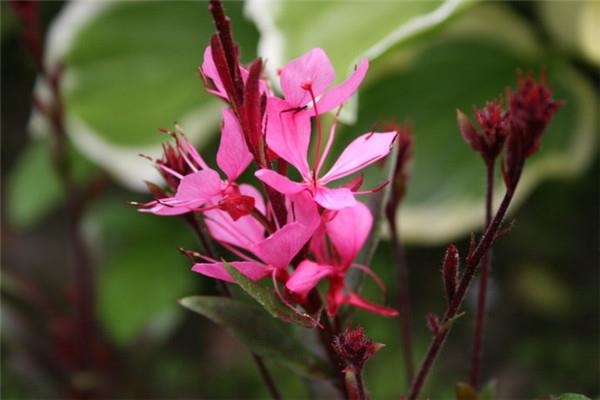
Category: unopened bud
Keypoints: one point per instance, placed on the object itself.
(450, 271)
(354, 348)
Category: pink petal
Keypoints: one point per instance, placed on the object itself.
(335, 199)
(201, 185)
(364, 150)
(279, 182)
(342, 92)
(302, 208)
(233, 155)
(348, 242)
(307, 276)
(281, 247)
(312, 68)
(165, 210)
(360, 302)
(252, 270)
(288, 134)
(210, 70)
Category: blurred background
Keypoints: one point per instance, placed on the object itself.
(130, 68)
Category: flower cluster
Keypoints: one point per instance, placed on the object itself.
(518, 129)
(296, 231)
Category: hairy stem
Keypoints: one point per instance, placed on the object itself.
(403, 297)
(471, 267)
(483, 281)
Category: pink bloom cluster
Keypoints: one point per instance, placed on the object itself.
(298, 232)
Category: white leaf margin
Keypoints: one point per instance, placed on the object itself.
(271, 42)
(121, 162)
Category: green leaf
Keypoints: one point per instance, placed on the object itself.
(131, 68)
(141, 274)
(573, 26)
(488, 391)
(572, 396)
(467, 62)
(257, 330)
(33, 187)
(267, 298)
(346, 30)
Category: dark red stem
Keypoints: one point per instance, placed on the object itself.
(483, 282)
(403, 297)
(472, 263)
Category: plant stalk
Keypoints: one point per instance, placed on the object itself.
(483, 282)
(453, 308)
(403, 299)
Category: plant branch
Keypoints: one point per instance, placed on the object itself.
(472, 263)
(483, 281)
(403, 297)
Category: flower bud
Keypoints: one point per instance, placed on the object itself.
(450, 271)
(354, 348)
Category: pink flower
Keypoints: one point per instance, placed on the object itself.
(308, 76)
(288, 130)
(347, 230)
(273, 253)
(204, 186)
(288, 135)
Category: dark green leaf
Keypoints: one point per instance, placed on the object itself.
(572, 396)
(267, 298)
(256, 329)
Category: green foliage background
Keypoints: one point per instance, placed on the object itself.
(132, 68)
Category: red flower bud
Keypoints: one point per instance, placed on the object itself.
(354, 348)
(451, 270)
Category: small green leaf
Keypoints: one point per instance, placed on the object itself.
(257, 330)
(488, 391)
(572, 396)
(267, 298)
(464, 391)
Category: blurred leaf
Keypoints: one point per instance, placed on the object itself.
(141, 274)
(464, 391)
(468, 61)
(131, 69)
(267, 298)
(257, 330)
(574, 26)
(33, 187)
(541, 290)
(488, 391)
(346, 30)
(572, 396)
